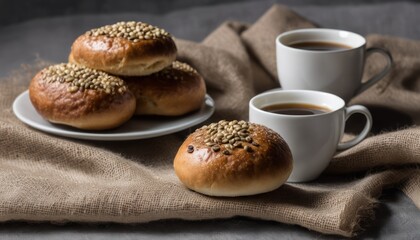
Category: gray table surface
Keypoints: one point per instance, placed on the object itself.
(51, 38)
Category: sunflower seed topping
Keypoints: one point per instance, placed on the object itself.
(79, 78)
(227, 136)
(182, 68)
(133, 31)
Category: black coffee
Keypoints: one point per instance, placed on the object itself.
(295, 109)
(319, 46)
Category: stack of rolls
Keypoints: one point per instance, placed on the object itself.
(114, 72)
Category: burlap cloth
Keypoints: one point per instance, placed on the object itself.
(48, 178)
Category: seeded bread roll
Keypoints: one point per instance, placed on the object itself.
(81, 97)
(233, 159)
(125, 48)
(176, 90)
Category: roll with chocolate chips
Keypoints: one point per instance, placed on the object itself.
(233, 158)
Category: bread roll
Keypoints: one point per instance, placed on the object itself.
(81, 97)
(174, 91)
(125, 49)
(233, 159)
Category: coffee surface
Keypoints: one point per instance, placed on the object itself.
(296, 109)
(320, 46)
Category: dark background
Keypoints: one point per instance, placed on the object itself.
(13, 11)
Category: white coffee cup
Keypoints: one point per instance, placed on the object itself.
(335, 71)
(313, 139)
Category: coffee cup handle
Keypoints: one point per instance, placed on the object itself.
(350, 111)
(381, 74)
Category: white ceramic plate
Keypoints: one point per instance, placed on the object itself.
(135, 128)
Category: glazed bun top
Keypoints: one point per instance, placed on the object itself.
(77, 78)
(174, 91)
(81, 97)
(125, 49)
(133, 31)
